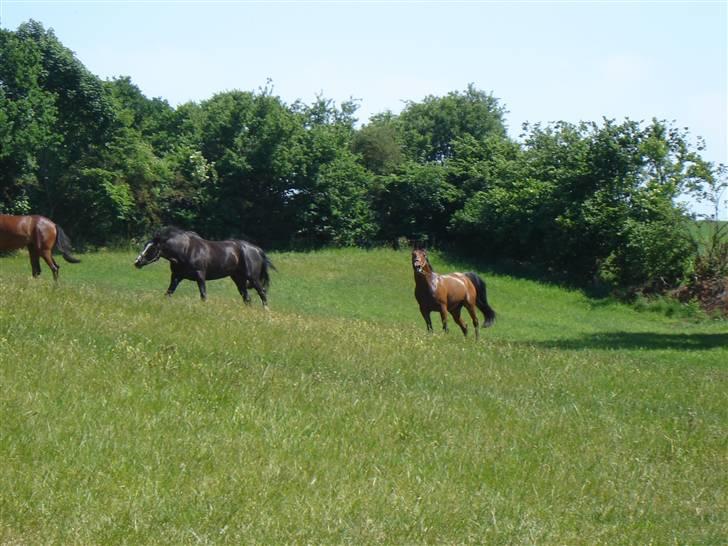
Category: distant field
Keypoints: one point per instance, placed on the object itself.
(128, 417)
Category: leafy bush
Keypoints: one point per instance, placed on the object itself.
(654, 256)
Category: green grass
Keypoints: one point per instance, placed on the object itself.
(128, 417)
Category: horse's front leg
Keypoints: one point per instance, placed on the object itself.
(443, 316)
(461, 322)
(242, 283)
(426, 316)
(200, 278)
(173, 283)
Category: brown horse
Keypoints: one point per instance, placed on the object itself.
(449, 293)
(40, 236)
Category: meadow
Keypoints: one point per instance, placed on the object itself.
(130, 418)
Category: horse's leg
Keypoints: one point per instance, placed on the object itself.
(201, 286)
(474, 317)
(460, 322)
(242, 284)
(443, 316)
(426, 316)
(57, 269)
(48, 258)
(34, 260)
(173, 283)
(261, 291)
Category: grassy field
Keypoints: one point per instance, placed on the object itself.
(128, 417)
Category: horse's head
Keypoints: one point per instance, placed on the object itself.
(420, 262)
(151, 253)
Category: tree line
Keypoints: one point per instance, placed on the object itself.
(595, 200)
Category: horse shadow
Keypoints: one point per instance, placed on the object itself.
(642, 341)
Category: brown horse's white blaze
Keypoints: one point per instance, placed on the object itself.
(40, 236)
(449, 294)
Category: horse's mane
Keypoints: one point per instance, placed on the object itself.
(170, 231)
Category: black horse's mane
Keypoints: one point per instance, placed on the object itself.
(171, 231)
(167, 232)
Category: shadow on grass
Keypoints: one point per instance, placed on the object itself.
(641, 340)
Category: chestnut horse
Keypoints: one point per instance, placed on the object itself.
(449, 293)
(40, 235)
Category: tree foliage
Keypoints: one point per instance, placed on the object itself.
(594, 200)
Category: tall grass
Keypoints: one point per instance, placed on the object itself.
(128, 417)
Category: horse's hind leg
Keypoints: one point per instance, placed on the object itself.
(48, 258)
(474, 317)
(57, 270)
(460, 322)
(261, 291)
(34, 260)
(242, 284)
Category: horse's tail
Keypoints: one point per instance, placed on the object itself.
(481, 299)
(63, 245)
(264, 275)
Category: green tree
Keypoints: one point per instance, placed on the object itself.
(379, 144)
(28, 115)
(429, 127)
(56, 113)
(415, 202)
(187, 194)
(84, 117)
(154, 119)
(587, 200)
(116, 185)
(255, 144)
(336, 208)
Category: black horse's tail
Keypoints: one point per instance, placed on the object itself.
(63, 245)
(482, 299)
(264, 276)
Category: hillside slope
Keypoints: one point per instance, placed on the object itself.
(126, 416)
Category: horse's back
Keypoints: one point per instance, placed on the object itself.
(19, 231)
(459, 288)
(219, 258)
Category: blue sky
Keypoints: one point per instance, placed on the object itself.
(544, 60)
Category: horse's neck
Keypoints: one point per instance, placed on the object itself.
(429, 280)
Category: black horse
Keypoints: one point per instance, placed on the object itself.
(194, 258)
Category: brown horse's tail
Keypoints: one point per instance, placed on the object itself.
(63, 245)
(481, 299)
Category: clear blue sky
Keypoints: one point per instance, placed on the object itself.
(545, 60)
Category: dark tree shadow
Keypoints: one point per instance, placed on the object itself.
(641, 340)
(522, 270)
